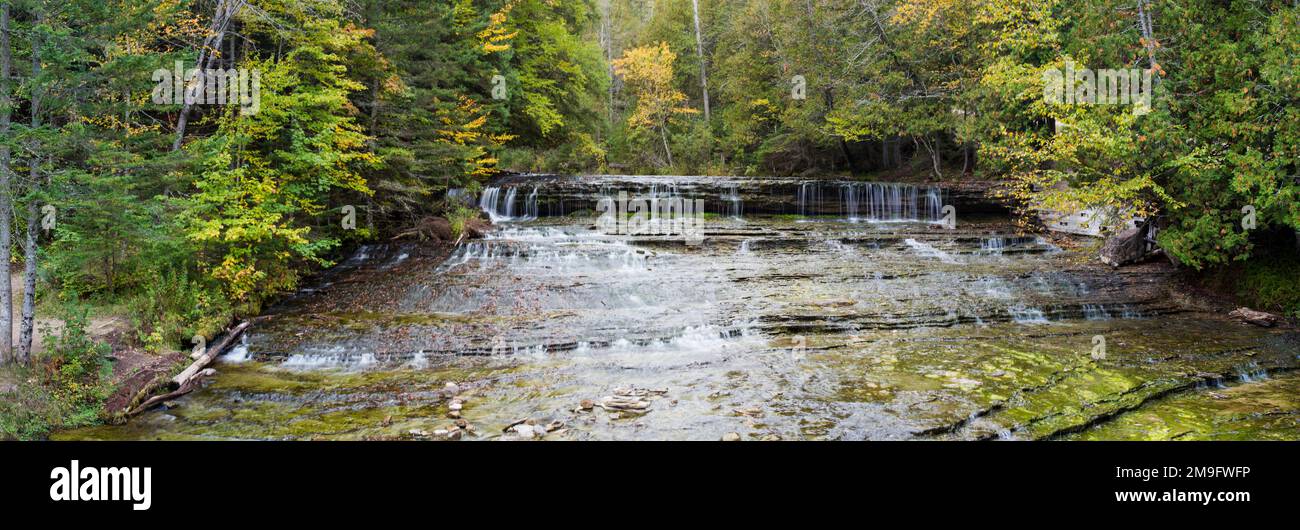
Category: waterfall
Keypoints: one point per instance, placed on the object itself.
(239, 353)
(735, 206)
(1095, 312)
(1103, 312)
(998, 244)
(809, 192)
(1251, 372)
(502, 208)
(875, 201)
(1027, 315)
(488, 202)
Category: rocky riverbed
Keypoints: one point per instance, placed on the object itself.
(810, 311)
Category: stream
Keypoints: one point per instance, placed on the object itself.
(809, 310)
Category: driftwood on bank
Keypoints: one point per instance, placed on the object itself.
(186, 381)
(1258, 318)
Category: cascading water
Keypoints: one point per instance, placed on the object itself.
(1002, 243)
(808, 198)
(819, 330)
(1027, 315)
(1095, 312)
(928, 251)
(1251, 372)
(502, 207)
(735, 205)
(875, 201)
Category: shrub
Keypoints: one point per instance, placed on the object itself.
(76, 367)
(459, 214)
(64, 387)
(172, 308)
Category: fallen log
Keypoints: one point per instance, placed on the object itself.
(1258, 318)
(185, 381)
(204, 360)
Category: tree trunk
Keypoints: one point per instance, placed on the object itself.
(1148, 32)
(28, 324)
(699, 50)
(848, 155)
(965, 159)
(6, 196)
(226, 11)
(933, 149)
(372, 20)
(27, 327)
(607, 42)
(663, 134)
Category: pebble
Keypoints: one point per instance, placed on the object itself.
(455, 406)
(731, 437)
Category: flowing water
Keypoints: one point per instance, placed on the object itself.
(811, 310)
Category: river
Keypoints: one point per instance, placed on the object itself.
(809, 310)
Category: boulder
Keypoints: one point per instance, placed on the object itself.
(1258, 318)
(475, 228)
(1124, 248)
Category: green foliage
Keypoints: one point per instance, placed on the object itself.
(66, 386)
(1230, 139)
(458, 215)
(77, 367)
(172, 308)
(267, 177)
(1273, 284)
(559, 74)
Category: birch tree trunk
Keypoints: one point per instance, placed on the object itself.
(663, 135)
(699, 50)
(607, 28)
(6, 195)
(226, 11)
(28, 324)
